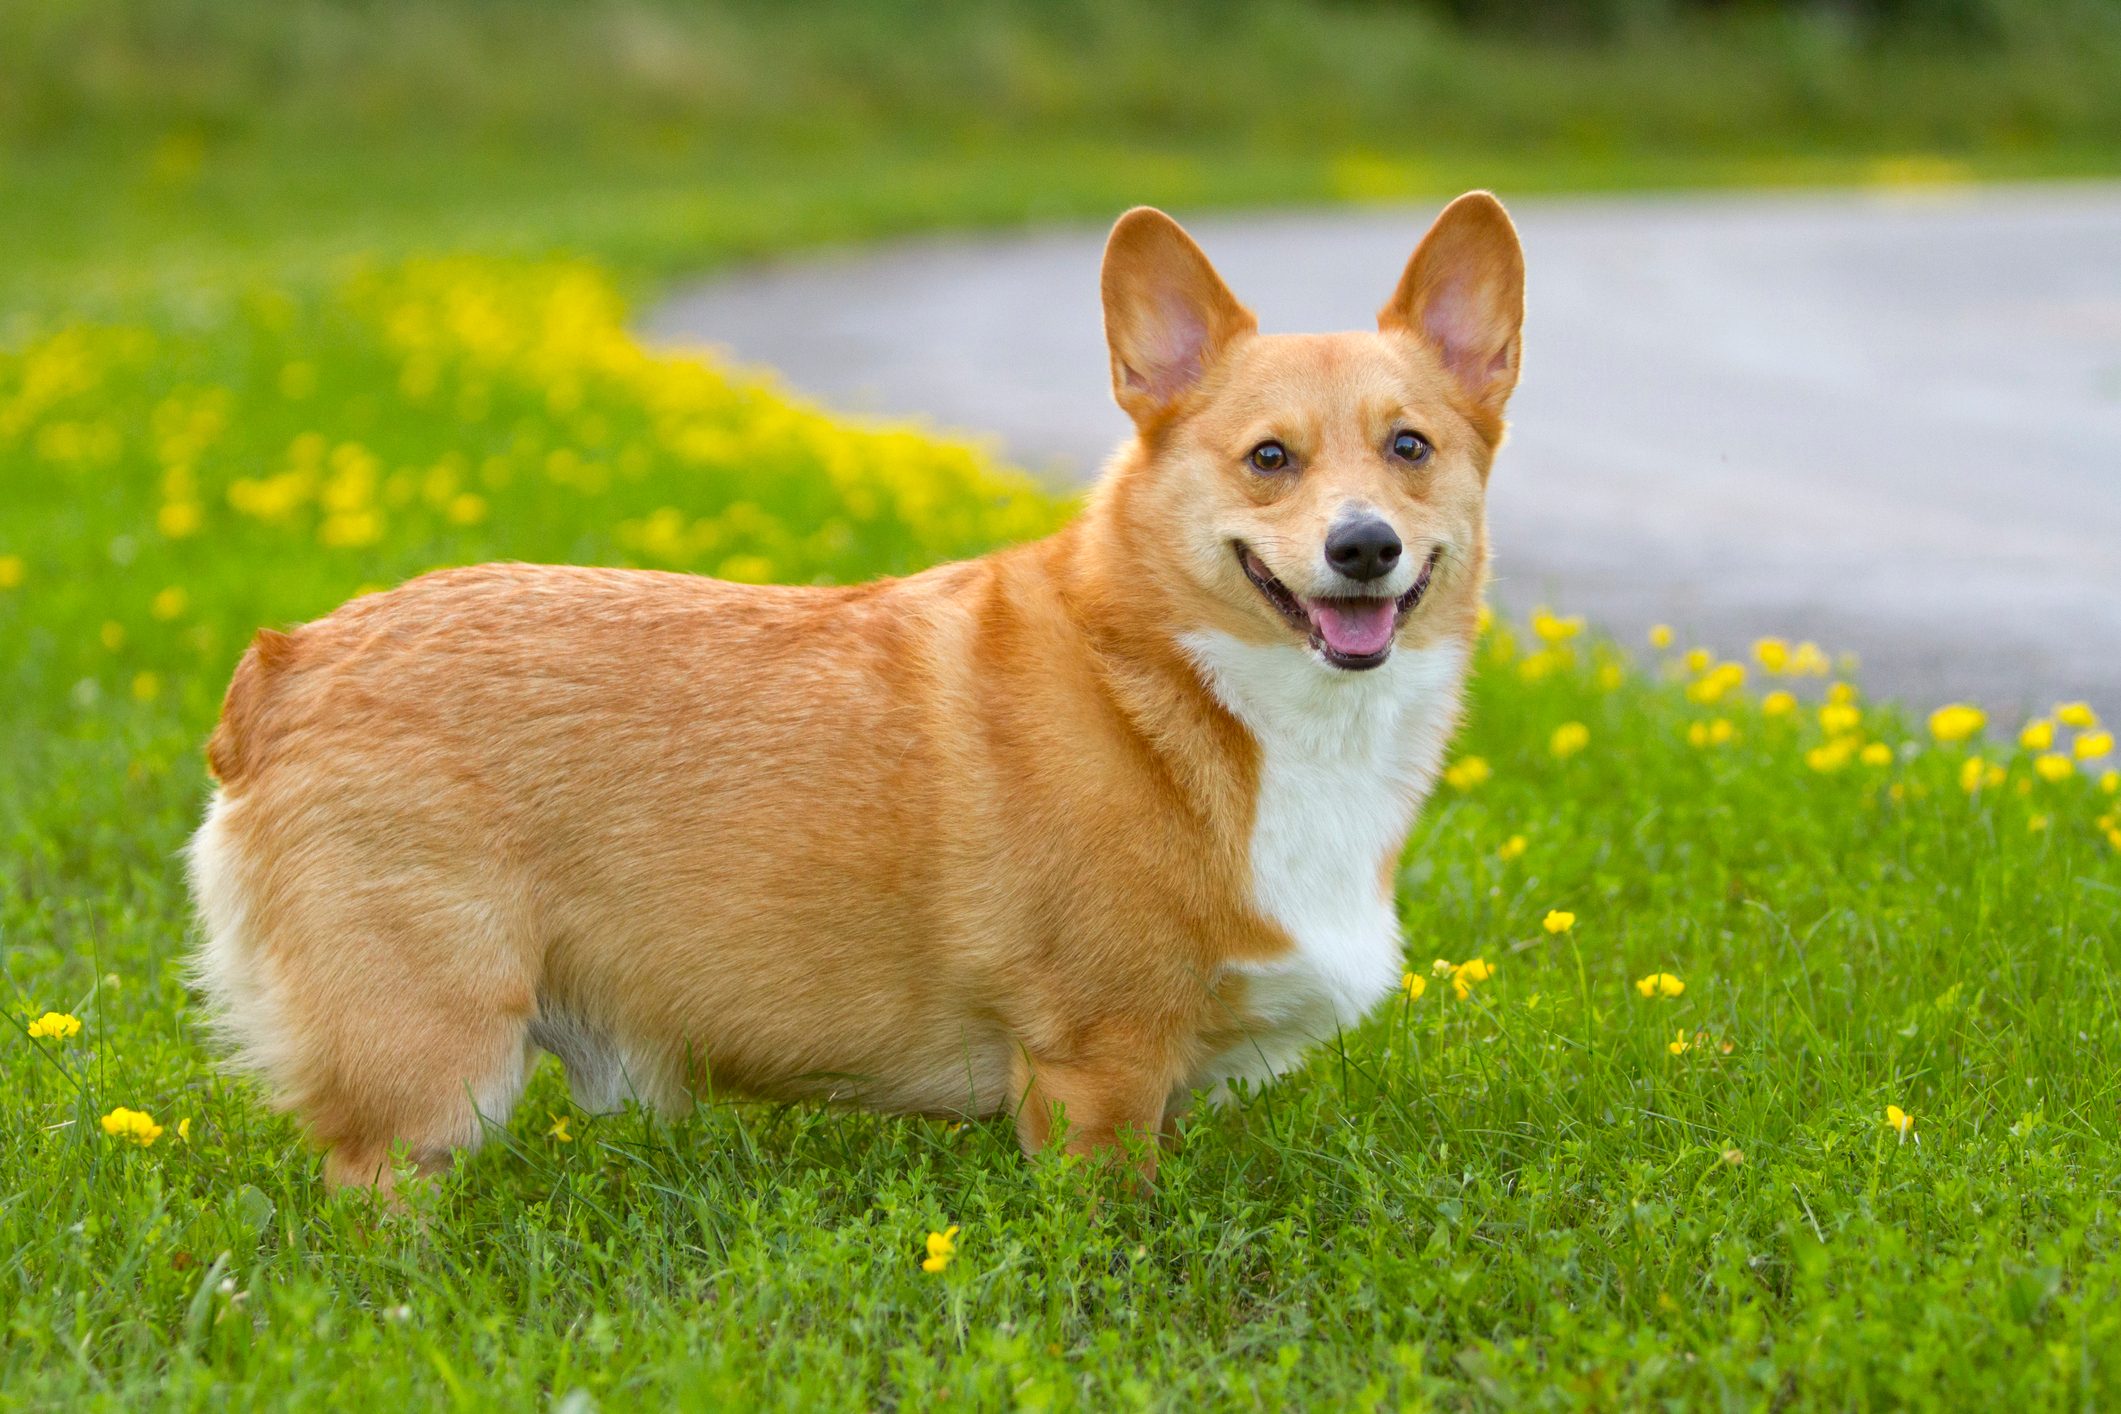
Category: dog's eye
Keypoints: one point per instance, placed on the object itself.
(1270, 456)
(1411, 447)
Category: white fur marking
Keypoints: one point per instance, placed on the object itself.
(1346, 759)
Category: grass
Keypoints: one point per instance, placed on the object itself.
(292, 308)
(1525, 1196)
(147, 145)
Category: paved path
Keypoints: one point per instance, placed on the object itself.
(1888, 423)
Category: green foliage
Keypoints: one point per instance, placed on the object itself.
(148, 140)
(1521, 1196)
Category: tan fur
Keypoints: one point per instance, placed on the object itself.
(967, 842)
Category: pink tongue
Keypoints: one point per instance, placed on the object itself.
(1354, 627)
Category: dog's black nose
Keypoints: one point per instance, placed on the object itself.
(1363, 549)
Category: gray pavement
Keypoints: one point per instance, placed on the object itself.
(1890, 422)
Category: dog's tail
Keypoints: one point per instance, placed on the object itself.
(232, 751)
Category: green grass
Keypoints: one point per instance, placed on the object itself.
(150, 145)
(1522, 1197)
(237, 385)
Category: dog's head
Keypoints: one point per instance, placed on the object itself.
(1320, 489)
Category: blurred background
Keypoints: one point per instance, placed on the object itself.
(1825, 312)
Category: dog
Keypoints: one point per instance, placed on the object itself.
(1071, 832)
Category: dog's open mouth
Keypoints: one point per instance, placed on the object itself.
(1349, 631)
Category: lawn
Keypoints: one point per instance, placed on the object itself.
(1642, 1157)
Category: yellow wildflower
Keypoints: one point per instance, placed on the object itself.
(1660, 984)
(1413, 984)
(1838, 717)
(133, 1126)
(1900, 1121)
(1558, 920)
(1808, 660)
(1485, 620)
(1831, 756)
(1660, 635)
(147, 686)
(1957, 722)
(184, 1130)
(2036, 823)
(2038, 735)
(1555, 630)
(1841, 692)
(1720, 732)
(1717, 683)
(1678, 1045)
(1970, 774)
(177, 519)
(1568, 739)
(111, 635)
(2110, 782)
(1472, 970)
(2076, 714)
(1772, 654)
(559, 1132)
(942, 1246)
(1611, 676)
(1511, 848)
(1441, 967)
(1698, 660)
(1466, 774)
(467, 508)
(12, 569)
(2054, 766)
(1536, 667)
(1778, 704)
(170, 603)
(1876, 754)
(2092, 745)
(55, 1026)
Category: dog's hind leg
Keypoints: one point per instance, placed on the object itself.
(384, 996)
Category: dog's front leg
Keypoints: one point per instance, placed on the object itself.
(1106, 1091)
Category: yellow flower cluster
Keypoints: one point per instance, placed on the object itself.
(1468, 773)
(1660, 984)
(132, 1126)
(1777, 658)
(55, 1026)
(941, 1247)
(1466, 974)
(1715, 682)
(1553, 629)
(1957, 722)
(1718, 732)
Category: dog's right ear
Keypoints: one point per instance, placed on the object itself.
(1168, 315)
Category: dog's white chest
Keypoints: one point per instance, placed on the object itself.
(1346, 759)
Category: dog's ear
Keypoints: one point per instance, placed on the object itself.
(1463, 296)
(1168, 315)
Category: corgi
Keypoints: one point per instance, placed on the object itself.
(1069, 833)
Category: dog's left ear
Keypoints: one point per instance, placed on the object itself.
(1463, 296)
(1168, 315)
